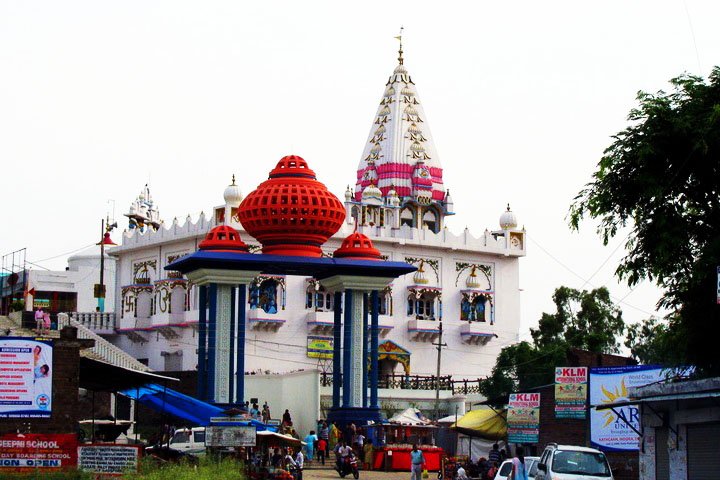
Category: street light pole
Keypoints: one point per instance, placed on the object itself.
(104, 240)
(439, 346)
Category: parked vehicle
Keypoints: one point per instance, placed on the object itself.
(185, 440)
(570, 462)
(506, 468)
(347, 466)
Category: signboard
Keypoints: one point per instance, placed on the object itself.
(31, 451)
(230, 436)
(570, 392)
(320, 347)
(228, 420)
(26, 369)
(108, 459)
(611, 430)
(523, 418)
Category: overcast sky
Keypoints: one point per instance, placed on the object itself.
(97, 98)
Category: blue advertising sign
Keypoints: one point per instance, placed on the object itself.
(612, 430)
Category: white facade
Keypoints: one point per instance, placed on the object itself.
(278, 342)
(471, 283)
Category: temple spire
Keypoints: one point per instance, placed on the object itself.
(400, 52)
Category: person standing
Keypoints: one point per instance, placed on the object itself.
(335, 436)
(310, 440)
(494, 455)
(299, 463)
(39, 321)
(286, 419)
(322, 449)
(461, 474)
(518, 465)
(417, 460)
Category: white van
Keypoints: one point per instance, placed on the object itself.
(189, 440)
(569, 462)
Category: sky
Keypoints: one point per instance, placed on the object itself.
(98, 98)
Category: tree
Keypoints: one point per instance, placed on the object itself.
(661, 178)
(582, 319)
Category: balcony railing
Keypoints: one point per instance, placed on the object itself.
(98, 322)
(417, 382)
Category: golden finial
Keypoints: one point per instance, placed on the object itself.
(233, 179)
(400, 52)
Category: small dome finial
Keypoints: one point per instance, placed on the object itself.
(233, 180)
(400, 52)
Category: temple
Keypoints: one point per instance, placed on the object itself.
(399, 203)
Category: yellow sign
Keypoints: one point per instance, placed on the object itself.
(320, 347)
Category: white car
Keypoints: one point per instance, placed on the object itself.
(186, 440)
(570, 462)
(506, 468)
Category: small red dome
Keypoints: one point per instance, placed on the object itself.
(225, 238)
(357, 247)
(291, 213)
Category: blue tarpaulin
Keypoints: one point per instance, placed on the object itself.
(180, 405)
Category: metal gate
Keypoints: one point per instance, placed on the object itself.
(703, 447)
(662, 458)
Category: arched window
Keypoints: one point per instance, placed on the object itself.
(355, 213)
(423, 307)
(264, 295)
(319, 299)
(407, 217)
(385, 303)
(430, 220)
(473, 309)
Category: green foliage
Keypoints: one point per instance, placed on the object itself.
(17, 305)
(661, 178)
(208, 468)
(582, 319)
(654, 341)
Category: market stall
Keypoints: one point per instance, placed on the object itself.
(260, 468)
(393, 443)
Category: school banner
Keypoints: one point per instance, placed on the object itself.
(615, 430)
(30, 452)
(570, 392)
(319, 347)
(26, 369)
(523, 418)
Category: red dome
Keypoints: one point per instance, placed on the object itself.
(225, 238)
(291, 213)
(357, 247)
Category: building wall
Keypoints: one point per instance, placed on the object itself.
(286, 349)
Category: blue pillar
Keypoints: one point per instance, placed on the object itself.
(202, 339)
(347, 347)
(240, 375)
(337, 352)
(365, 343)
(212, 320)
(231, 359)
(374, 332)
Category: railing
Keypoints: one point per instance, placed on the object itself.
(103, 349)
(95, 321)
(405, 382)
(418, 382)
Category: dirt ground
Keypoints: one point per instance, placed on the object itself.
(318, 474)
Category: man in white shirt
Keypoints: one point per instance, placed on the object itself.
(299, 462)
(461, 475)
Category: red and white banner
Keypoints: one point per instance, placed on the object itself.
(31, 451)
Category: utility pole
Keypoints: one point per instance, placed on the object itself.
(439, 345)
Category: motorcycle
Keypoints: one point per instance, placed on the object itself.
(347, 466)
